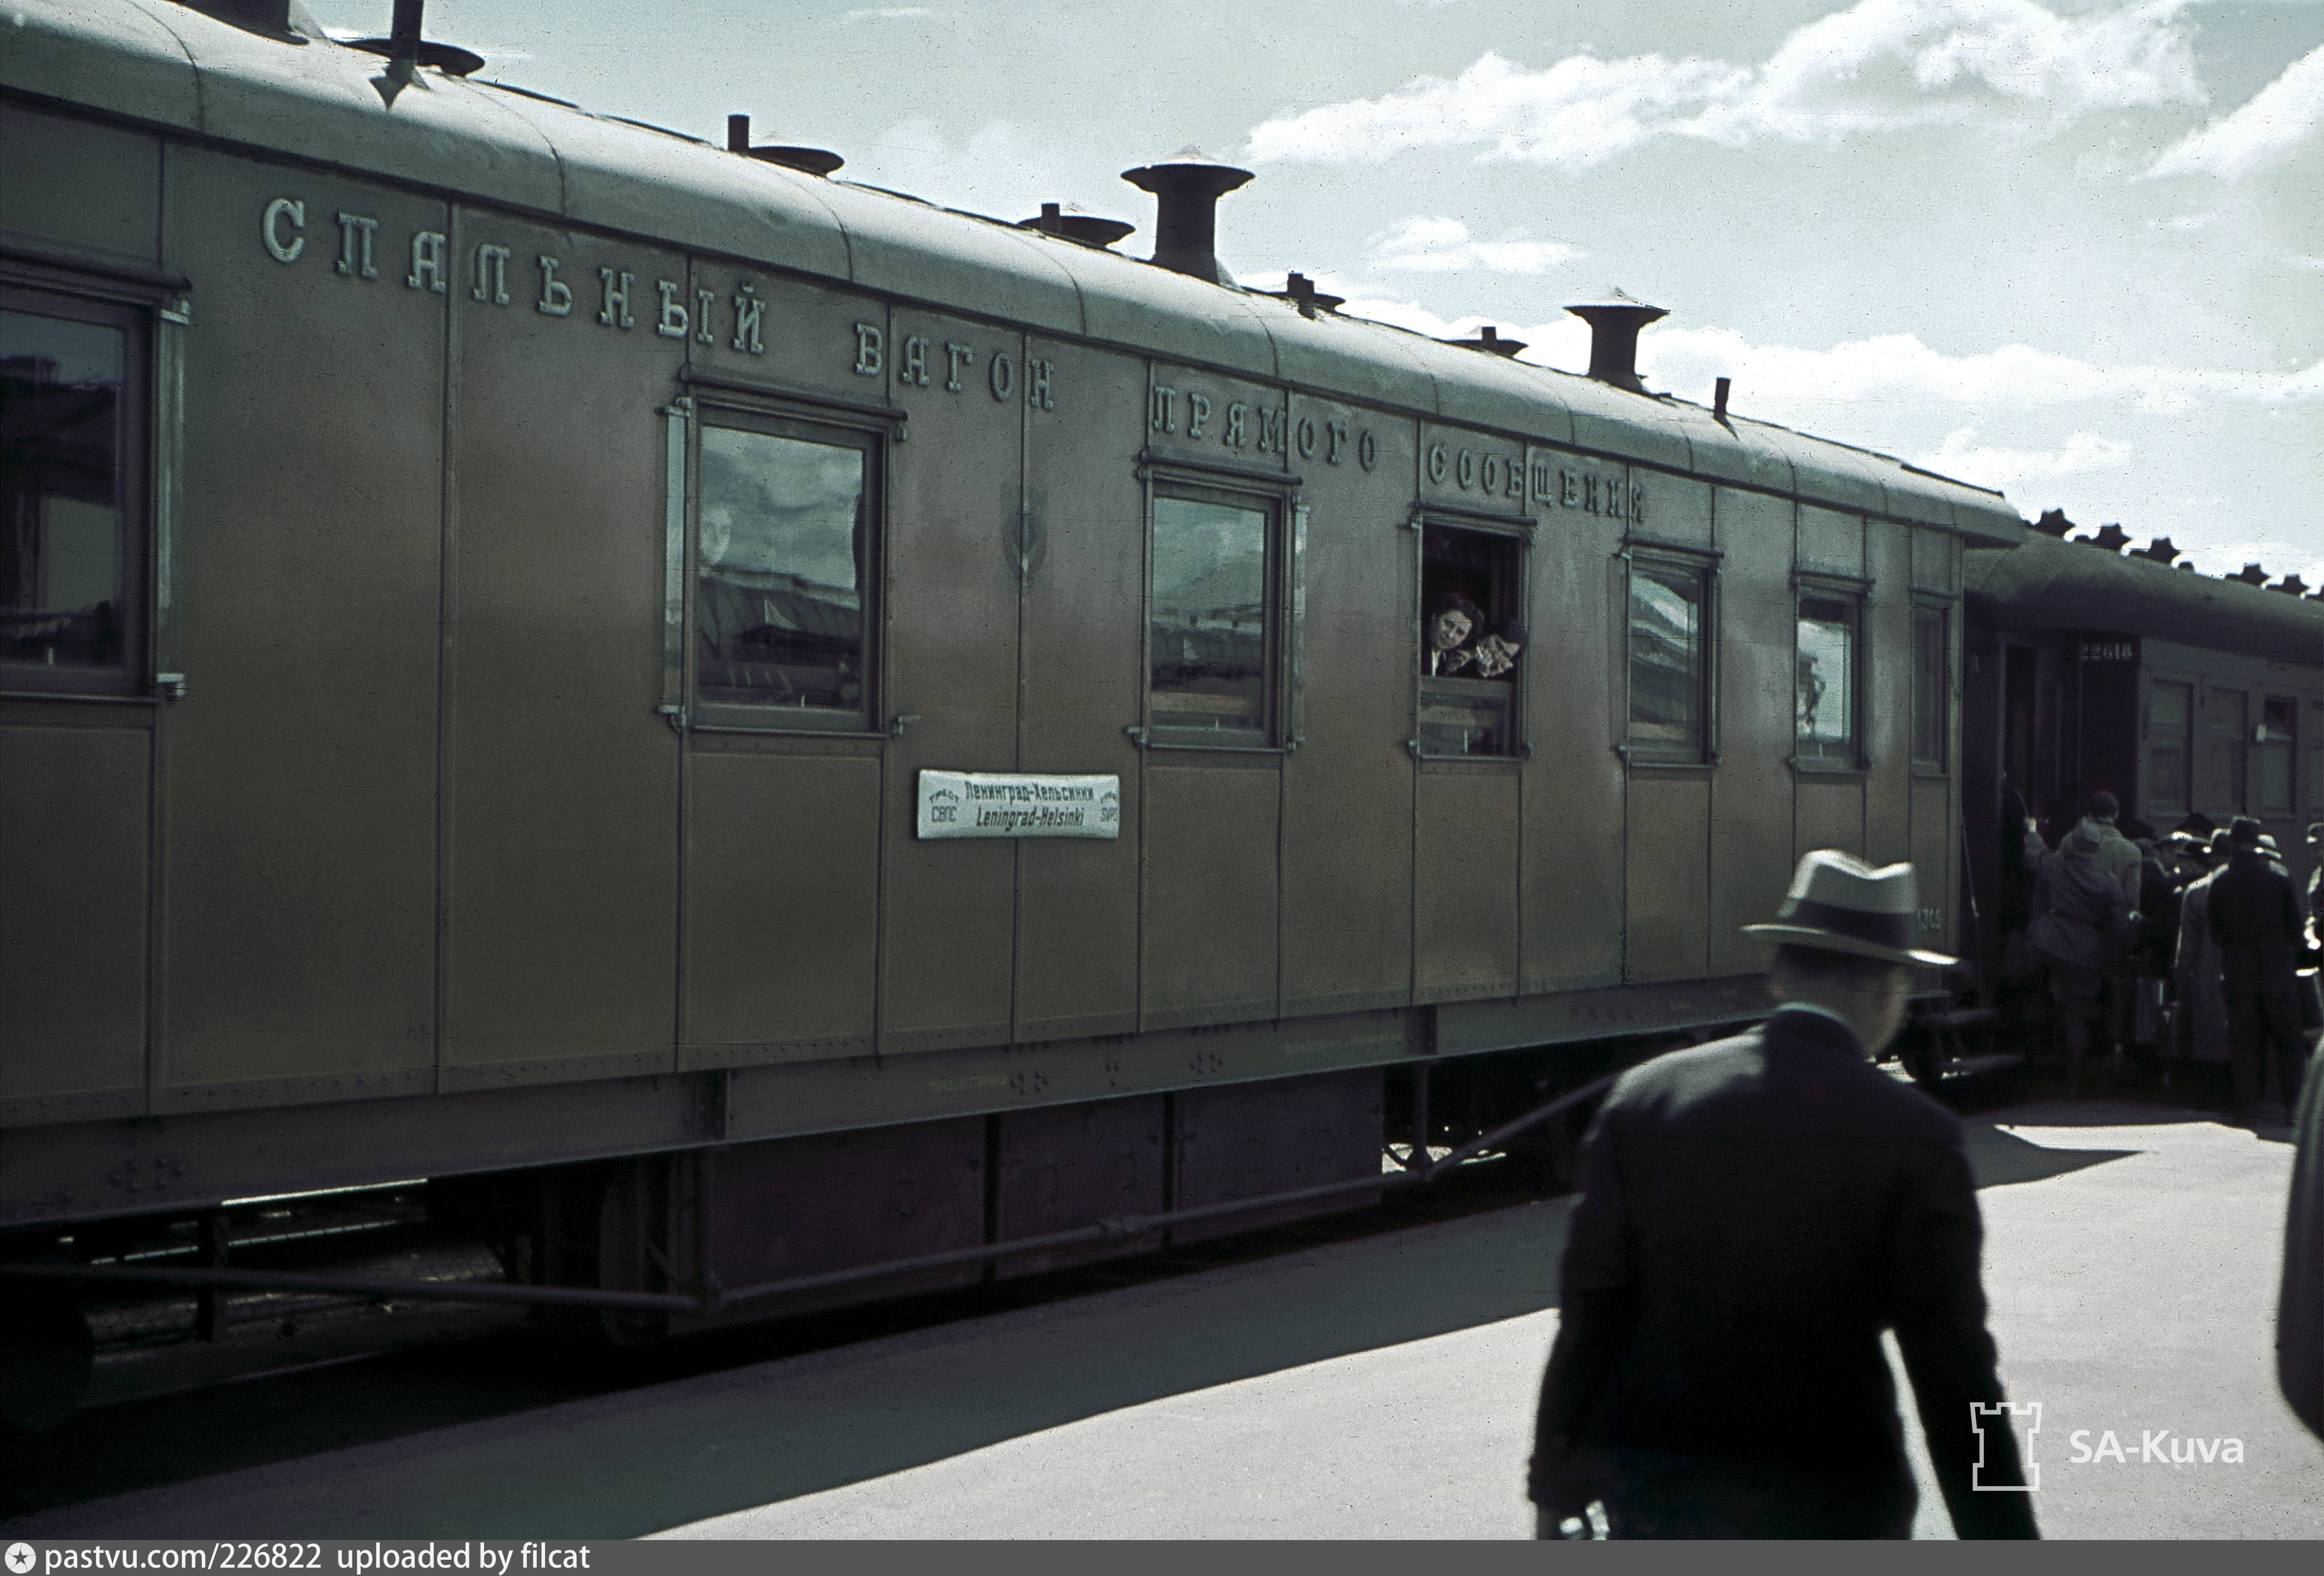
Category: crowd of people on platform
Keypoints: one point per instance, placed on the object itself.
(2185, 950)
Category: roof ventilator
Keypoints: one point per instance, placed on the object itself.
(406, 51)
(1186, 192)
(1301, 292)
(1614, 324)
(807, 161)
(1490, 342)
(2252, 575)
(1087, 228)
(2161, 550)
(2111, 539)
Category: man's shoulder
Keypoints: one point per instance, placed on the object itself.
(1700, 1079)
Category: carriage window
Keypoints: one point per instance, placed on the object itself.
(1669, 662)
(1826, 694)
(2276, 716)
(1472, 641)
(1932, 691)
(784, 570)
(71, 568)
(1211, 636)
(2169, 724)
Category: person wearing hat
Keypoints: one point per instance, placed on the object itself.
(2201, 1028)
(2256, 920)
(1753, 1214)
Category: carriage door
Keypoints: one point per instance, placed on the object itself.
(2226, 723)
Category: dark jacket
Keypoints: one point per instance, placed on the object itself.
(2299, 1310)
(1754, 1213)
(2256, 920)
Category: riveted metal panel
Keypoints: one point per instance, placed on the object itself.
(1751, 852)
(1830, 541)
(562, 800)
(1480, 389)
(121, 59)
(1671, 509)
(1830, 809)
(826, 1096)
(89, 1169)
(1635, 426)
(80, 185)
(1080, 563)
(1189, 320)
(301, 786)
(1074, 1166)
(1566, 1017)
(1827, 475)
(690, 193)
(1936, 561)
(1754, 457)
(1354, 359)
(1465, 861)
(1574, 799)
(1199, 417)
(1936, 866)
(1209, 936)
(1888, 716)
(948, 908)
(902, 249)
(782, 876)
(1477, 471)
(1666, 927)
(1259, 1138)
(805, 1206)
(73, 834)
(1346, 825)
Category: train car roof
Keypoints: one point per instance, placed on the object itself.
(2049, 584)
(316, 101)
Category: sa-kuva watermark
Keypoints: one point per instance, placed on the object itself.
(2022, 1420)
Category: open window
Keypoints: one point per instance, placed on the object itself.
(1215, 622)
(74, 528)
(786, 555)
(1472, 641)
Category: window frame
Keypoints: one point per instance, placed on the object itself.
(1652, 755)
(730, 407)
(1857, 592)
(1939, 610)
(1284, 602)
(150, 319)
(1517, 530)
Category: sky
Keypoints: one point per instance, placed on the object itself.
(2072, 250)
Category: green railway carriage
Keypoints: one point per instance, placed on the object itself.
(499, 597)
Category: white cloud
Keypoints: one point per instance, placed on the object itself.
(1898, 369)
(1881, 65)
(2011, 470)
(2263, 131)
(1442, 245)
(886, 13)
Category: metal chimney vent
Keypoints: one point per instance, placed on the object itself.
(1488, 340)
(811, 160)
(1186, 192)
(1087, 228)
(1614, 322)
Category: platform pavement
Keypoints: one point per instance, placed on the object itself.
(1377, 1388)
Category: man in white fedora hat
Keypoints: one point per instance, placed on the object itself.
(1753, 1214)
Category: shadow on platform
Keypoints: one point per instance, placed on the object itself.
(415, 1448)
(1999, 1158)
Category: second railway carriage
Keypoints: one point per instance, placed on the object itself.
(2088, 667)
(508, 608)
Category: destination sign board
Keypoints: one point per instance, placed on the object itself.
(981, 803)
